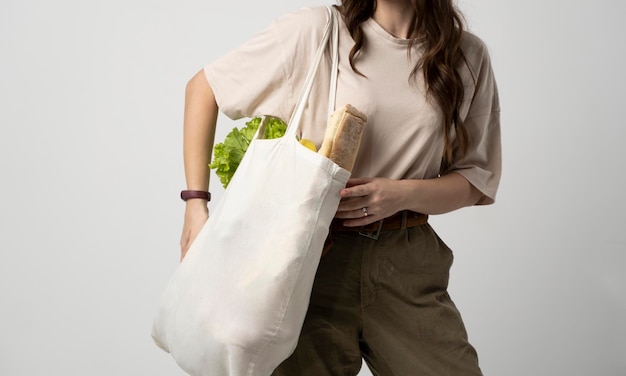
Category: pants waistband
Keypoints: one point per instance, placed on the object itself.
(399, 221)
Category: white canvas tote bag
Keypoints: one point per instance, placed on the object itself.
(236, 304)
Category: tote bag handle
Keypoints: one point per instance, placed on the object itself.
(334, 40)
(331, 31)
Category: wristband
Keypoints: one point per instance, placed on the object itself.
(186, 195)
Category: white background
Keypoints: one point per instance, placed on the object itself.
(91, 100)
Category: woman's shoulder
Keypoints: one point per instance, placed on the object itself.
(472, 44)
(475, 50)
(303, 21)
(307, 15)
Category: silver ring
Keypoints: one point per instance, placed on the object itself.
(364, 212)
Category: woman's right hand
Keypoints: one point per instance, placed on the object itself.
(196, 214)
(198, 136)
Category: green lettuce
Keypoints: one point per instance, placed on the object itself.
(228, 155)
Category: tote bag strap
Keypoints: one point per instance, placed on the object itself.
(331, 31)
(334, 41)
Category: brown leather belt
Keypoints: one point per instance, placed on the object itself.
(401, 220)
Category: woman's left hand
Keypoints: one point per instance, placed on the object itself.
(367, 200)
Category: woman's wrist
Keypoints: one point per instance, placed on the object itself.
(191, 195)
(411, 194)
(196, 206)
(440, 195)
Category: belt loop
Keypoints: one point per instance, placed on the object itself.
(404, 215)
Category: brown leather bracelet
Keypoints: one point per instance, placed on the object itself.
(186, 195)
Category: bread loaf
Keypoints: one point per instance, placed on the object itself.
(343, 136)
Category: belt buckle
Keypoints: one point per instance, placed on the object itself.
(372, 234)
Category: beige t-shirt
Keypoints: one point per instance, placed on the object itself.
(403, 138)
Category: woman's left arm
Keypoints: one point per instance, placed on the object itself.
(472, 179)
(384, 197)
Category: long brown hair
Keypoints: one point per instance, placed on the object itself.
(438, 26)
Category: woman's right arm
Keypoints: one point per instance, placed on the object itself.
(199, 125)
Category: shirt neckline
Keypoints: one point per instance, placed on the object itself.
(384, 33)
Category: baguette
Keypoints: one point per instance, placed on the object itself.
(343, 136)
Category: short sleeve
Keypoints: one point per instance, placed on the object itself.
(481, 165)
(258, 78)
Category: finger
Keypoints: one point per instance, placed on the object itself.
(184, 241)
(362, 221)
(361, 213)
(353, 204)
(356, 191)
(357, 181)
(351, 214)
(184, 248)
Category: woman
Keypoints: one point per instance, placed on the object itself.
(431, 146)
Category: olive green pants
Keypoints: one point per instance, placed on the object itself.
(384, 301)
